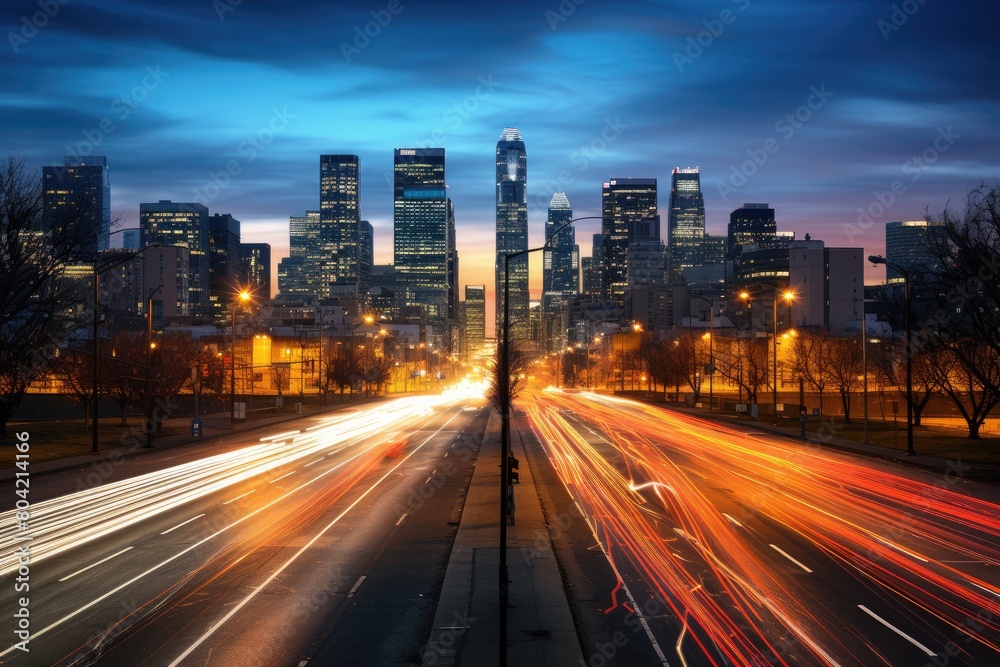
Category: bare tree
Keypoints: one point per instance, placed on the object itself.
(33, 291)
(846, 371)
(973, 396)
(889, 358)
(812, 360)
(74, 369)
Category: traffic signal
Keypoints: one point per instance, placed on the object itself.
(512, 474)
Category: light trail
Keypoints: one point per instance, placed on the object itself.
(692, 508)
(68, 522)
(293, 510)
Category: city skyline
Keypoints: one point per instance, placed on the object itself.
(565, 75)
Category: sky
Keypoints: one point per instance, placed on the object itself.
(843, 115)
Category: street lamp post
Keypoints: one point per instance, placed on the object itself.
(787, 296)
(149, 368)
(504, 387)
(907, 326)
(711, 347)
(624, 330)
(242, 297)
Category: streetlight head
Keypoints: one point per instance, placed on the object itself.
(244, 296)
(369, 319)
(744, 295)
(637, 327)
(876, 259)
(788, 295)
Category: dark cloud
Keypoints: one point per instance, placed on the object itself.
(684, 84)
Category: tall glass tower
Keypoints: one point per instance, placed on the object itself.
(340, 217)
(626, 205)
(420, 230)
(687, 220)
(184, 224)
(560, 264)
(512, 231)
(79, 194)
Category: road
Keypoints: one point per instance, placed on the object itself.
(331, 538)
(735, 547)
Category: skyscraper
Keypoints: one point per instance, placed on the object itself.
(298, 274)
(79, 194)
(686, 220)
(183, 224)
(910, 244)
(452, 264)
(627, 206)
(340, 217)
(512, 231)
(225, 263)
(475, 318)
(753, 224)
(560, 263)
(256, 268)
(420, 230)
(366, 256)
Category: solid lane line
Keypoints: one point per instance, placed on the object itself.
(312, 462)
(281, 478)
(897, 631)
(786, 555)
(170, 530)
(103, 560)
(401, 519)
(239, 496)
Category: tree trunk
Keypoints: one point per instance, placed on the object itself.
(846, 400)
(974, 428)
(124, 407)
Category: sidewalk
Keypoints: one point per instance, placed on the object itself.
(214, 426)
(540, 628)
(972, 471)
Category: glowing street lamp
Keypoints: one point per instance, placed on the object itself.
(241, 298)
(788, 296)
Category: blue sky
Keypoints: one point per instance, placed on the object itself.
(189, 95)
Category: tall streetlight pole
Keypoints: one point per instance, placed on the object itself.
(879, 259)
(711, 347)
(242, 297)
(504, 387)
(787, 296)
(149, 367)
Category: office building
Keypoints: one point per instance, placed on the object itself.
(750, 225)
(910, 244)
(686, 220)
(225, 263)
(474, 307)
(828, 285)
(255, 266)
(366, 256)
(561, 262)
(182, 224)
(628, 211)
(340, 217)
(298, 274)
(78, 194)
(453, 313)
(512, 231)
(167, 268)
(420, 231)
